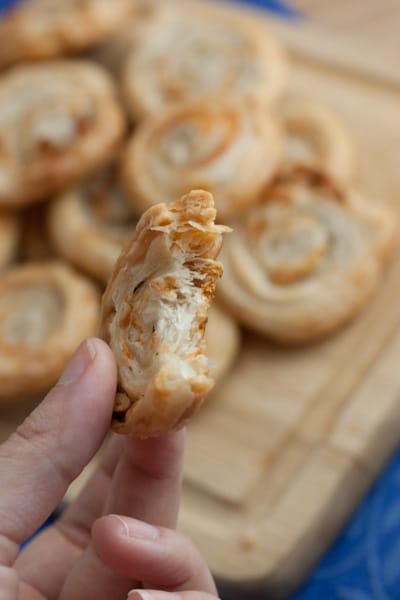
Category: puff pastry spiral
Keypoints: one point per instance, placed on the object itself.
(228, 148)
(36, 29)
(194, 52)
(45, 311)
(89, 225)
(58, 121)
(154, 314)
(303, 261)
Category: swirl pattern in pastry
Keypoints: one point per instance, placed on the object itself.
(302, 262)
(37, 29)
(154, 314)
(89, 225)
(46, 309)
(229, 148)
(58, 121)
(194, 52)
(315, 137)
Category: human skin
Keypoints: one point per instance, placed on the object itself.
(118, 536)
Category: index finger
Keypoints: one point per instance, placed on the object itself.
(49, 450)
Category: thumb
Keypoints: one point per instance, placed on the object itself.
(49, 450)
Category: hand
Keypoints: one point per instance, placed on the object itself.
(118, 534)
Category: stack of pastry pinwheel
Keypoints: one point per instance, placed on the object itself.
(107, 108)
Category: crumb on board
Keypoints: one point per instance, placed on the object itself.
(248, 541)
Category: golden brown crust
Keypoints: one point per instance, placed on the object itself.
(46, 309)
(10, 227)
(154, 313)
(190, 52)
(88, 225)
(58, 121)
(228, 148)
(302, 262)
(37, 29)
(315, 137)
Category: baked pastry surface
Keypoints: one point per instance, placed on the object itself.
(46, 309)
(228, 148)
(89, 224)
(304, 261)
(192, 51)
(58, 122)
(37, 29)
(154, 314)
(315, 137)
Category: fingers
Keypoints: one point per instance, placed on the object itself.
(60, 546)
(76, 521)
(146, 485)
(147, 481)
(160, 557)
(55, 442)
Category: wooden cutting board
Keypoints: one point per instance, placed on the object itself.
(280, 456)
(371, 22)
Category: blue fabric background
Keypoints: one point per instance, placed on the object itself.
(364, 562)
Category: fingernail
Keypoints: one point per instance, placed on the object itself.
(139, 595)
(156, 595)
(136, 529)
(79, 362)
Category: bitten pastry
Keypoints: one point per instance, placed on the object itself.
(228, 148)
(37, 29)
(88, 225)
(58, 122)
(45, 311)
(191, 52)
(315, 137)
(10, 230)
(302, 262)
(154, 314)
(222, 342)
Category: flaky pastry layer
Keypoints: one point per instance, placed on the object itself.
(154, 314)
